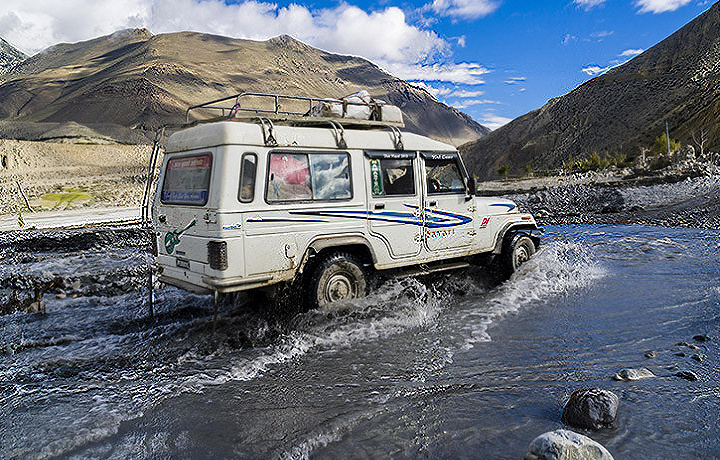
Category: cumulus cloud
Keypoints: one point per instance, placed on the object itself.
(631, 52)
(464, 9)
(594, 70)
(384, 36)
(588, 4)
(660, 6)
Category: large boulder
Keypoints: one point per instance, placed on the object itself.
(566, 445)
(591, 408)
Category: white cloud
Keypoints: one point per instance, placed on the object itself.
(660, 6)
(465, 72)
(594, 70)
(631, 52)
(468, 102)
(588, 4)
(384, 36)
(493, 121)
(568, 38)
(464, 9)
(601, 35)
(515, 80)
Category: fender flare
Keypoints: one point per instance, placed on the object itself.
(513, 227)
(324, 242)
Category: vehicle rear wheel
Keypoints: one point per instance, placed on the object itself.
(517, 249)
(338, 277)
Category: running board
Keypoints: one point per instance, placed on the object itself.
(424, 269)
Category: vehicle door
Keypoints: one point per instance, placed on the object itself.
(182, 202)
(449, 222)
(394, 205)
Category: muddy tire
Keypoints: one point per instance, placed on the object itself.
(337, 277)
(518, 248)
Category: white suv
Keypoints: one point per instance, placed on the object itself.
(246, 205)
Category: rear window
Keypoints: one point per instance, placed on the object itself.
(187, 180)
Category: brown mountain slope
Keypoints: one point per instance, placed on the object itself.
(677, 80)
(137, 79)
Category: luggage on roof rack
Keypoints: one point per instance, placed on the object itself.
(356, 109)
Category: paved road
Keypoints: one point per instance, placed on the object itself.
(71, 218)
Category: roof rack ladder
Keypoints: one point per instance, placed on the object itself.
(269, 137)
(152, 164)
(339, 133)
(397, 138)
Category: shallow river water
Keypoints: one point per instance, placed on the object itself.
(445, 368)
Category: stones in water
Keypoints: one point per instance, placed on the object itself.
(687, 375)
(566, 445)
(701, 338)
(698, 357)
(651, 354)
(689, 345)
(628, 375)
(591, 408)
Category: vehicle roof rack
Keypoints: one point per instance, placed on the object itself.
(270, 107)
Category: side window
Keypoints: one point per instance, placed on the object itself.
(330, 175)
(443, 176)
(304, 177)
(248, 166)
(392, 176)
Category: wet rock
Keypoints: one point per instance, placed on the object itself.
(698, 357)
(651, 354)
(687, 375)
(701, 338)
(566, 445)
(688, 345)
(591, 408)
(627, 375)
(680, 354)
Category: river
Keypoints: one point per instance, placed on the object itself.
(452, 367)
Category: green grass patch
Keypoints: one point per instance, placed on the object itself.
(59, 198)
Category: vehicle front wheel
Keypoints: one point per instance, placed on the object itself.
(517, 249)
(336, 278)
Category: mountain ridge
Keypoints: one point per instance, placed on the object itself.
(137, 79)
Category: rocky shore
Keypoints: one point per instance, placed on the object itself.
(683, 195)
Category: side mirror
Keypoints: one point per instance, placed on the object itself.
(471, 186)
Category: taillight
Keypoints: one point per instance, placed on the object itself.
(217, 255)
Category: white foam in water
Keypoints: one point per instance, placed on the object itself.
(397, 309)
(560, 267)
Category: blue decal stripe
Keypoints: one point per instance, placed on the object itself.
(509, 206)
(278, 219)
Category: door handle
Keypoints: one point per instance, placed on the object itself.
(379, 205)
(432, 203)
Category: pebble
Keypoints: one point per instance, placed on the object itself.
(689, 345)
(701, 338)
(628, 375)
(687, 375)
(698, 357)
(61, 296)
(651, 354)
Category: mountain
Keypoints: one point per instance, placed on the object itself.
(625, 109)
(9, 56)
(136, 79)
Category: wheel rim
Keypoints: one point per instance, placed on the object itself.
(521, 255)
(339, 287)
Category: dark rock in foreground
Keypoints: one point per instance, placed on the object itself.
(701, 338)
(687, 375)
(592, 408)
(566, 445)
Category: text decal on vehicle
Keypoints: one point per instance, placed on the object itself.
(172, 239)
(376, 178)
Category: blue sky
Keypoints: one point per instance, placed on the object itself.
(493, 59)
